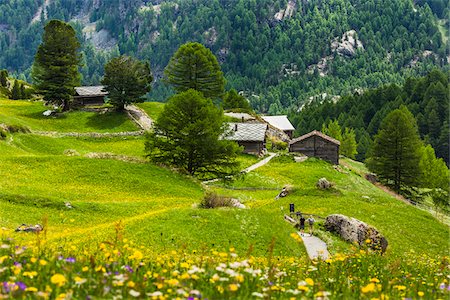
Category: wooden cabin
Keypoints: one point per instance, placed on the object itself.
(281, 123)
(251, 136)
(317, 144)
(89, 95)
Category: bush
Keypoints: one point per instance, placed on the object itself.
(17, 128)
(213, 200)
(3, 134)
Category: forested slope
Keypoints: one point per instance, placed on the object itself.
(427, 98)
(280, 52)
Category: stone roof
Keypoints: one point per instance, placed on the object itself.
(280, 122)
(247, 132)
(90, 91)
(240, 116)
(317, 133)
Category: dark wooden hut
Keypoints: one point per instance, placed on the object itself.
(317, 144)
(89, 95)
(251, 136)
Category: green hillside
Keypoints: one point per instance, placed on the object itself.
(136, 227)
(29, 114)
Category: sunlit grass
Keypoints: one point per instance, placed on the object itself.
(29, 114)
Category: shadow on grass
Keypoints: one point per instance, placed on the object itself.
(106, 121)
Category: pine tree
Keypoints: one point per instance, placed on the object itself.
(195, 67)
(15, 93)
(127, 80)
(395, 153)
(233, 100)
(55, 69)
(4, 78)
(187, 134)
(348, 144)
(333, 130)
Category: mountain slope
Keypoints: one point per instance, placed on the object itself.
(280, 51)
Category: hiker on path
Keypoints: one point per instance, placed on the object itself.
(311, 224)
(302, 225)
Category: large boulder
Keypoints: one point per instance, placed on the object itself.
(324, 184)
(356, 231)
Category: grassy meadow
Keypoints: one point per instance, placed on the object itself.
(29, 114)
(135, 230)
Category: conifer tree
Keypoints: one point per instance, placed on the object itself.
(194, 66)
(333, 129)
(15, 93)
(188, 134)
(348, 144)
(127, 80)
(233, 100)
(55, 69)
(4, 78)
(395, 153)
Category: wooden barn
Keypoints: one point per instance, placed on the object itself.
(317, 144)
(89, 95)
(281, 123)
(251, 136)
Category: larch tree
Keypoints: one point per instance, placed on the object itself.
(127, 80)
(188, 134)
(194, 66)
(396, 150)
(55, 69)
(348, 144)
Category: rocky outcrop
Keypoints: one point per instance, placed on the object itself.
(324, 184)
(347, 45)
(288, 12)
(356, 231)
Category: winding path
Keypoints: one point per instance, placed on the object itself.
(140, 117)
(315, 247)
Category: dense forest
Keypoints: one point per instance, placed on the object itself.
(278, 52)
(426, 97)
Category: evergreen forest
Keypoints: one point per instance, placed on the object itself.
(278, 52)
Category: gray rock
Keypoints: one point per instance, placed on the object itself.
(371, 177)
(356, 231)
(323, 184)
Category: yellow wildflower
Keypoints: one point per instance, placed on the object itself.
(368, 241)
(136, 255)
(79, 280)
(131, 284)
(58, 279)
(220, 289)
(303, 288)
(184, 265)
(30, 274)
(61, 297)
(374, 280)
(420, 294)
(233, 287)
(85, 269)
(42, 262)
(309, 281)
(172, 282)
(33, 260)
(368, 288)
(31, 289)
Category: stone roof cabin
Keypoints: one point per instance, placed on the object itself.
(251, 136)
(89, 95)
(317, 144)
(280, 122)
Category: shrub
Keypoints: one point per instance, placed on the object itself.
(278, 144)
(17, 128)
(213, 200)
(3, 134)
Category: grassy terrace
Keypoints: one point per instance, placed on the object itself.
(28, 113)
(153, 109)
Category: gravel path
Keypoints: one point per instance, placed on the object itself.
(315, 247)
(140, 117)
(260, 163)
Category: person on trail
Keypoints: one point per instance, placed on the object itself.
(311, 224)
(302, 225)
